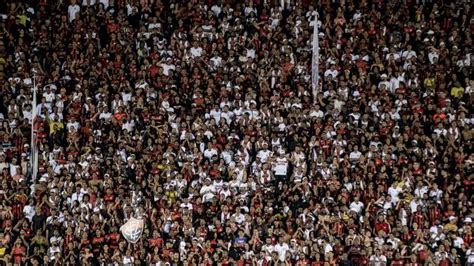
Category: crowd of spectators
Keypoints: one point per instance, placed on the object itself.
(198, 117)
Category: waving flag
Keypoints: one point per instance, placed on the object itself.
(132, 230)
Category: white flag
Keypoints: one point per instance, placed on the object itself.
(132, 230)
(315, 60)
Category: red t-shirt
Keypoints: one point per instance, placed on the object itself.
(18, 252)
(383, 226)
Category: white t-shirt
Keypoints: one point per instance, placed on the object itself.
(470, 255)
(421, 191)
(355, 155)
(393, 192)
(207, 192)
(317, 114)
(184, 205)
(414, 205)
(216, 114)
(105, 116)
(227, 156)
(167, 68)
(208, 153)
(458, 242)
(105, 3)
(408, 54)
(49, 96)
(72, 10)
(216, 61)
(225, 193)
(72, 125)
(196, 52)
(228, 117)
(281, 249)
(88, 2)
(378, 260)
(327, 248)
(128, 260)
(268, 251)
(333, 73)
(263, 155)
(239, 218)
(29, 212)
(357, 206)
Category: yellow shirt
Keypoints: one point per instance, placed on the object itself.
(429, 83)
(163, 167)
(52, 125)
(22, 19)
(450, 227)
(401, 184)
(171, 197)
(457, 91)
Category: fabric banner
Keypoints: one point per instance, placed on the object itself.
(132, 230)
(315, 61)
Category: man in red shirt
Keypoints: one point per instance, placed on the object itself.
(381, 225)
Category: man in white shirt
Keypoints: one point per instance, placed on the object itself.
(393, 191)
(207, 190)
(268, 248)
(458, 242)
(73, 125)
(216, 114)
(421, 190)
(227, 115)
(470, 254)
(414, 203)
(357, 205)
(216, 9)
(29, 210)
(408, 53)
(331, 71)
(238, 217)
(167, 66)
(186, 204)
(105, 3)
(378, 259)
(280, 166)
(72, 10)
(355, 154)
(55, 215)
(105, 114)
(77, 195)
(227, 154)
(282, 248)
(225, 192)
(210, 151)
(196, 51)
(88, 2)
(264, 153)
(27, 114)
(317, 112)
(216, 60)
(49, 94)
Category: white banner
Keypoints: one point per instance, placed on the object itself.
(132, 230)
(315, 60)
